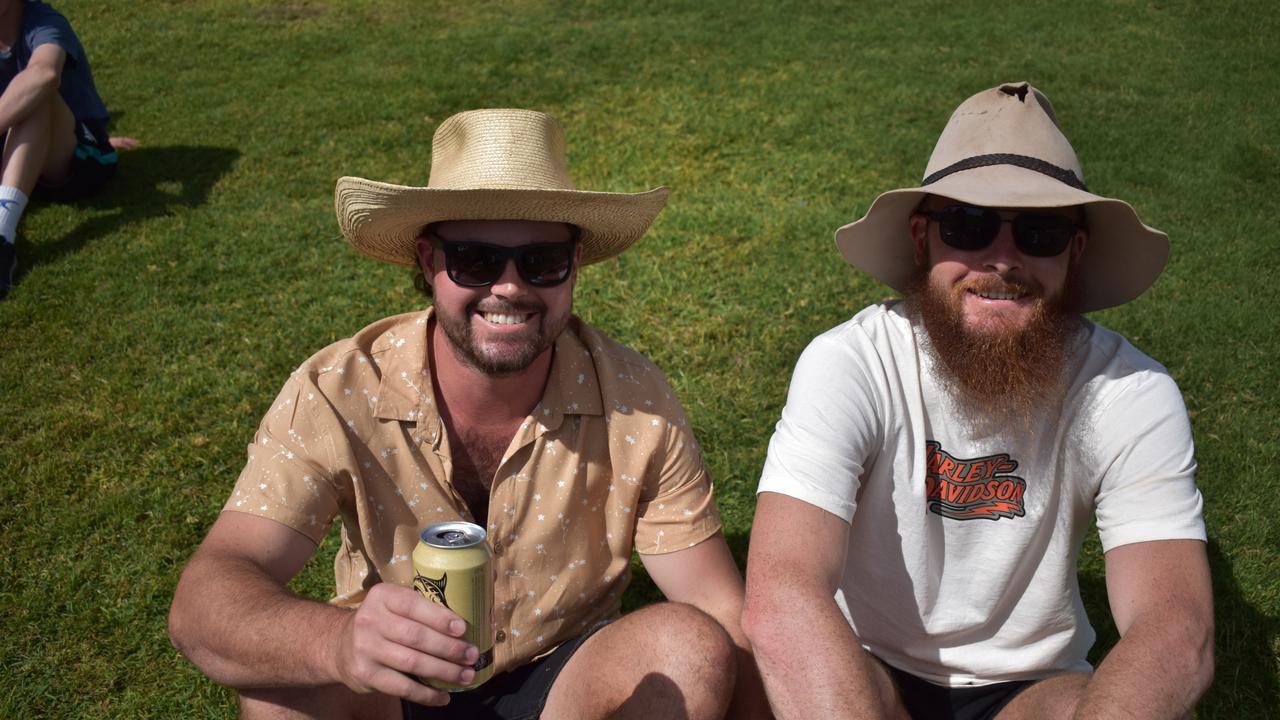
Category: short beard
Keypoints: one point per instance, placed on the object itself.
(508, 360)
(1001, 375)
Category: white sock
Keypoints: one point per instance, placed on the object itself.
(12, 202)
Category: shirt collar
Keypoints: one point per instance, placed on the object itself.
(406, 392)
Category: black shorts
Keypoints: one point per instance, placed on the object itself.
(92, 164)
(518, 694)
(927, 701)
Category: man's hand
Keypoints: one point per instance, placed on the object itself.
(397, 635)
(235, 619)
(123, 142)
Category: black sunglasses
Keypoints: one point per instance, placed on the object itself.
(477, 264)
(1038, 234)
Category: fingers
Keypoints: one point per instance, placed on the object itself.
(121, 142)
(393, 683)
(398, 636)
(409, 604)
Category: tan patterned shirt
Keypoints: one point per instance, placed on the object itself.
(604, 463)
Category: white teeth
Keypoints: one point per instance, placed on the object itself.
(501, 319)
(998, 295)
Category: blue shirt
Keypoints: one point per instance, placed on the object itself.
(42, 24)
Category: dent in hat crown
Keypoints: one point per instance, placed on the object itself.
(1015, 118)
(499, 149)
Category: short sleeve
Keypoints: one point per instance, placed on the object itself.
(827, 433)
(1147, 489)
(286, 477)
(677, 509)
(51, 28)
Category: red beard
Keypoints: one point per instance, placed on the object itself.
(1005, 373)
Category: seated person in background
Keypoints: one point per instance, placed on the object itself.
(940, 458)
(54, 123)
(495, 406)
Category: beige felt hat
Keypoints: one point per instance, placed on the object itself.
(491, 165)
(1003, 148)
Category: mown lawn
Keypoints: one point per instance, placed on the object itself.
(152, 326)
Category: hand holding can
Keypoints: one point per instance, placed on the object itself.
(394, 637)
(453, 567)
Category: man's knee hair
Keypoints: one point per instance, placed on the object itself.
(693, 641)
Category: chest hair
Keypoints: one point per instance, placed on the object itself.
(475, 455)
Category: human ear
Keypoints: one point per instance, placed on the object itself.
(918, 228)
(1078, 242)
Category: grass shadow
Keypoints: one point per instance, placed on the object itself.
(150, 182)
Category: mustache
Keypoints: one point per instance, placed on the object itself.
(997, 284)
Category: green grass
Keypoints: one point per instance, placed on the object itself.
(155, 323)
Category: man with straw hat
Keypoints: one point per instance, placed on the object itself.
(940, 458)
(496, 406)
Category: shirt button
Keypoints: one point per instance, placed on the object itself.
(502, 636)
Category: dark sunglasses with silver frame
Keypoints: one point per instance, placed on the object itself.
(1035, 233)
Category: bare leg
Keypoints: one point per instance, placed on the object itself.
(664, 661)
(40, 146)
(332, 701)
(1048, 699)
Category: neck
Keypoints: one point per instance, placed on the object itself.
(471, 398)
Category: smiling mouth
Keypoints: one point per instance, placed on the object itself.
(505, 318)
(995, 295)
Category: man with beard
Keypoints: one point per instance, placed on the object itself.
(496, 406)
(940, 458)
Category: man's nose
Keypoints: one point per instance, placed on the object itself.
(1003, 254)
(509, 283)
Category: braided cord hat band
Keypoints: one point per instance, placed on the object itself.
(1043, 167)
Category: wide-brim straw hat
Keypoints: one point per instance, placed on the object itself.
(500, 164)
(1003, 148)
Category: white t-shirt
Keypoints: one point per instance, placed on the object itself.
(961, 566)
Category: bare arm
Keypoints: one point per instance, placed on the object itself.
(706, 577)
(1162, 602)
(33, 86)
(812, 663)
(234, 618)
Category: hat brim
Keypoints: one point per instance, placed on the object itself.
(1122, 257)
(384, 221)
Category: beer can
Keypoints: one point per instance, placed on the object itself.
(453, 566)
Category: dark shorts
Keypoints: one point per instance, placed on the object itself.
(516, 694)
(927, 701)
(92, 164)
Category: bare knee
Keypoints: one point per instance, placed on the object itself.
(667, 660)
(695, 652)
